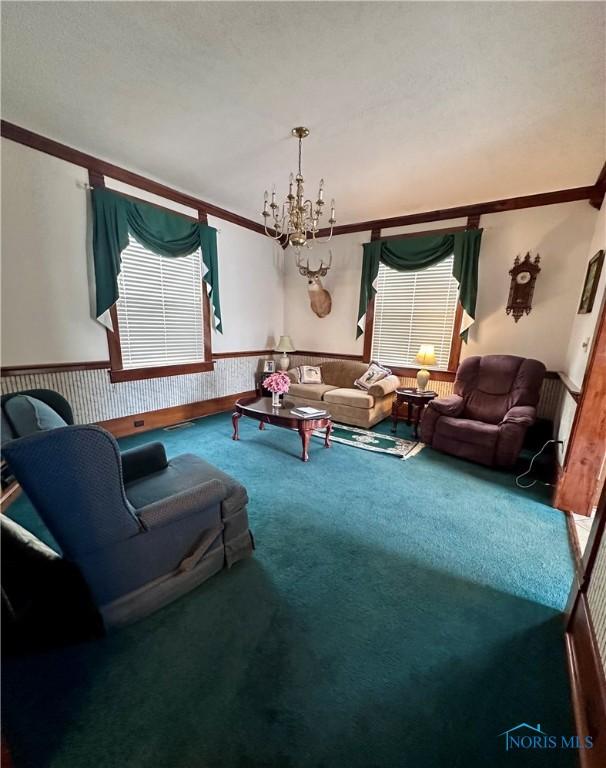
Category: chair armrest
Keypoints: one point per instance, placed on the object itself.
(143, 460)
(293, 375)
(451, 405)
(188, 502)
(520, 414)
(384, 387)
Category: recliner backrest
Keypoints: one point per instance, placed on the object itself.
(53, 399)
(492, 384)
(73, 477)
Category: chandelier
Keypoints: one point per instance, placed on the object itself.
(296, 221)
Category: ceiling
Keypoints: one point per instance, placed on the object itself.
(412, 106)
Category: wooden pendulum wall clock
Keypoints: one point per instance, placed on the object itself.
(523, 277)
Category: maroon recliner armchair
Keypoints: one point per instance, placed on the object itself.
(493, 404)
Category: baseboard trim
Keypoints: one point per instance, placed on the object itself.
(9, 494)
(166, 417)
(588, 686)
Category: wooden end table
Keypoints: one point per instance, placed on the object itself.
(261, 409)
(416, 402)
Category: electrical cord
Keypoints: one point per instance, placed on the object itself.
(529, 470)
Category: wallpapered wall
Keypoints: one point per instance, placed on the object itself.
(596, 599)
(94, 398)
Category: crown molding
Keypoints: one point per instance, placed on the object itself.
(599, 189)
(100, 168)
(473, 211)
(594, 193)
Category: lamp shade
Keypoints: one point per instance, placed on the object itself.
(285, 344)
(426, 355)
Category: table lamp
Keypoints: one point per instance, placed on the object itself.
(425, 356)
(284, 346)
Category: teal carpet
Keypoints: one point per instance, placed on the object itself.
(395, 614)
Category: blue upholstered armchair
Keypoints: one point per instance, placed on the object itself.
(143, 530)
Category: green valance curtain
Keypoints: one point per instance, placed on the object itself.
(411, 253)
(163, 232)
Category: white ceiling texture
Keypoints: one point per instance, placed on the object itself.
(412, 106)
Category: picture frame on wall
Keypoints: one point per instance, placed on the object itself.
(269, 366)
(590, 286)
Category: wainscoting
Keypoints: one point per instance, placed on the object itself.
(596, 601)
(94, 398)
(549, 406)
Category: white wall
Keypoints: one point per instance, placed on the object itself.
(583, 326)
(46, 308)
(559, 233)
(45, 297)
(250, 286)
(581, 332)
(337, 331)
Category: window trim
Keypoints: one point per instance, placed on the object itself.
(456, 342)
(117, 372)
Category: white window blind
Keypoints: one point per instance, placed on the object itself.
(160, 308)
(414, 308)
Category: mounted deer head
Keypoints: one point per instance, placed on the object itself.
(320, 300)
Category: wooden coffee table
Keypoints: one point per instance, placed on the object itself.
(261, 409)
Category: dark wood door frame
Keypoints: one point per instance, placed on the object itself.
(577, 485)
(587, 679)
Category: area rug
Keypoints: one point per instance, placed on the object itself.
(372, 441)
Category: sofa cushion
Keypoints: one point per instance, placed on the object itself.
(352, 397)
(310, 374)
(467, 431)
(310, 391)
(373, 374)
(342, 373)
(28, 415)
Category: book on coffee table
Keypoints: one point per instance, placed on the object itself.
(307, 411)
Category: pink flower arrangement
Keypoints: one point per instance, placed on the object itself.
(278, 383)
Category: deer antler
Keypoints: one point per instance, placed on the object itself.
(303, 270)
(307, 272)
(324, 269)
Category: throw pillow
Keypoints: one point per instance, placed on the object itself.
(374, 373)
(310, 374)
(28, 415)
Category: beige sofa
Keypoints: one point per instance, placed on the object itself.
(338, 395)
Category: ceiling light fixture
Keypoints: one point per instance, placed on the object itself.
(296, 221)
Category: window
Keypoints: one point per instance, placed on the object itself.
(414, 308)
(160, 315)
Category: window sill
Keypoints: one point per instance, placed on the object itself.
(160, 371)
(435, 374)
